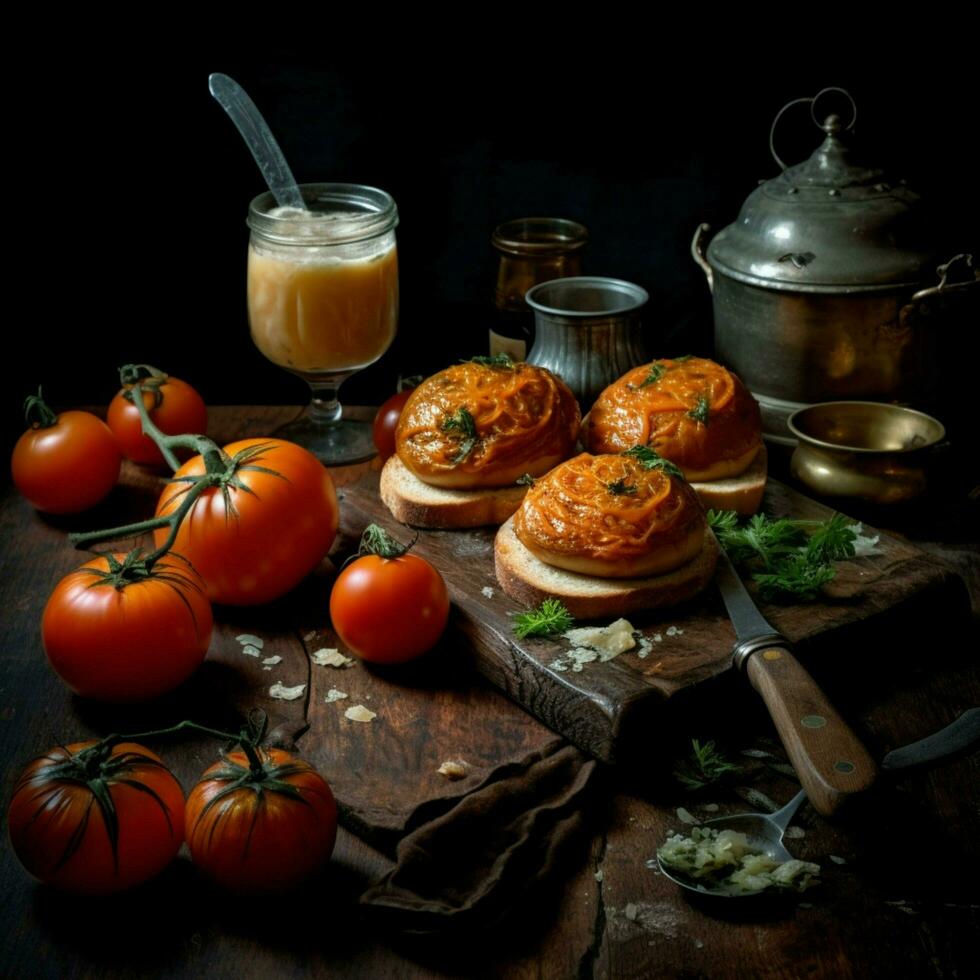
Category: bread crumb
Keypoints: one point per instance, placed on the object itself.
(282, 693)
(454, 769)
(330, 657)
(359, 713)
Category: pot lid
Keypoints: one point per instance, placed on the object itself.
(832, 224)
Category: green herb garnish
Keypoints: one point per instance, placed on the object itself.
(683, 358)
(789, 559)
(656, 372)
(462, 422)
(796, 575)
(701, 411)
(549, 618)
(621, 488)
(502, 360)
(705, 766)
(526, 480)
(649, 459)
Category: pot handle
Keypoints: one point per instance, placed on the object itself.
(919, 300)
(699, 250)
(812, 102)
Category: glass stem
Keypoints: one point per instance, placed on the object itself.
(325, 409)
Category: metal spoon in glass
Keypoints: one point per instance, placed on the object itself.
(765, 831)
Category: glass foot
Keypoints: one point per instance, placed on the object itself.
(337, 444)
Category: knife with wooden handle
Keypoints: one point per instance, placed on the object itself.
(828, 757)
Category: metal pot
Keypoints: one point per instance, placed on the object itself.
(827, 286)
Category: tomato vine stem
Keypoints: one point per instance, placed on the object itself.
(37, 412)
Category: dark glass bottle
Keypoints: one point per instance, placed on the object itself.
(532, 250)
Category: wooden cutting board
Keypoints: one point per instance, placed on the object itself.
(605, 708)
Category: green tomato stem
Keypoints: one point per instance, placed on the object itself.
(37, 412)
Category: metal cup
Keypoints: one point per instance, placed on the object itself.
(587, 331)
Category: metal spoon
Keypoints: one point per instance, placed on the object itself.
(765, 830)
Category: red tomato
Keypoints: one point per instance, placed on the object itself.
(175, 408)
(67, 802)
(388, 610)
(385, 422)
(66, 467)
(129, 641)
(263, 532)
(260, 831)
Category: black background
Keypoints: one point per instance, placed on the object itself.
(129, 201)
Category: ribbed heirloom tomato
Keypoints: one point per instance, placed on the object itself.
(115, 631)
(266, 523)
(173, 406)
(261, 824)
(94, 819)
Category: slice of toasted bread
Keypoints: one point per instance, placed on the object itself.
(530, 581)
(413, 502)
(742, 493)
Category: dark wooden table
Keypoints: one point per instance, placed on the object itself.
(899, 896)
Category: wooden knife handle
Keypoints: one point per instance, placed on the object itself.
(828, 757)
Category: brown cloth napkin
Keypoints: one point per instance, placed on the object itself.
(466, 867)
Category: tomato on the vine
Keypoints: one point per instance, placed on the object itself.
(64, 463)
(173, 406)
(116, 631)
(261, 824)
(388, 606)
(97, 819)
(265, 524)
(385, 423)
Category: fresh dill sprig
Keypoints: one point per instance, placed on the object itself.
(549, 618)
(683, 358)
(656, 372)
(705, 766)
(701, 411)
(620, 488)
(789, 559)
(502, 360)
(832, 541)
(649, 459)
(461, 421)
(796, 575)
(525, 480)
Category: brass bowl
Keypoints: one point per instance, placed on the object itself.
(869, 450)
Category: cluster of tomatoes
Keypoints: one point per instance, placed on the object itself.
(240, 525)
(101, 817)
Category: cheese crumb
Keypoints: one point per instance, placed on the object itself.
(330, 657)
(645, 646)
(359, 713)
(247, 639)
(454, 769)
(267, 668)
(658, 638)
(836, 859)
(283, 693)
(674, 631)
(251, 651)
(608, 641)
(272, 661)
(686, 817)
(334, 695)
(488, 592)
(599, 875)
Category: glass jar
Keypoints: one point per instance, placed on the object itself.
(532, 250)
(323, 300)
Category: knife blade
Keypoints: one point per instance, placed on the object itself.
(828, 757)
